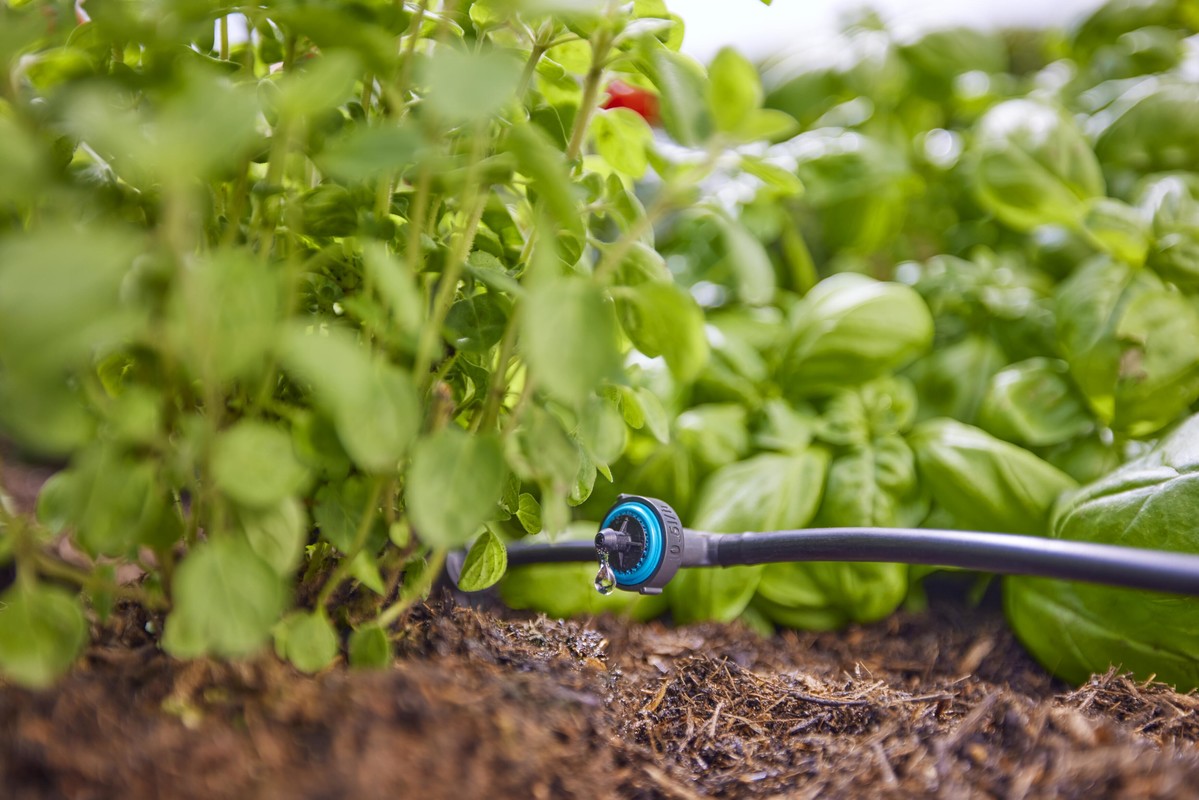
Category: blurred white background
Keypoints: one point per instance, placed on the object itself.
(757, 30)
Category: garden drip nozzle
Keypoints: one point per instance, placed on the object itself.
(641, 544)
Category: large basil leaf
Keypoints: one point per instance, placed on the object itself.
(850, 329)
(828, 596)
(1033, 165)
(983, 482)
(1131, 343)
(1034, 403)
(1075, 629)
(766, 492)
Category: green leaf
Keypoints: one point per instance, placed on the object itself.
(370, 648)
(339, 509)
(734, 89)
(485, 563)
(715, 434)
(680, 82)
(365, 569)
(1119, 229)
(373, 404)
(1077, 629)
(42, 632)
(367, 153)
(466, 86)
(322, 84)
(662, 319)
(765, 493)
(476, 324)
(986, 484)
(747, 261)
(454, 484)
(569, 338)
(1034, 403)
(545, 165)
(254, 464)
(226, 601)
(698, 595)
(307, 640)
(116, 503)
(528, 513)
(277, 535)
(621, 138)
(1130, 342)
(850, 329)
(1033, 166)
(397, 286)
(827, 596)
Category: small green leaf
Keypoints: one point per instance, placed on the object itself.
(227, 600)
(682, 86)
(454, 484)
(339, 510)
(621, 138)
(545, 165)
(662, 319)
(42, 631)
(373, 404)
(569, 338)
(747, 260)
(366, 153)
(475, 324)
(397, 285)
(276, 534)
(365, 569)
(253, 463)
(529, 513)
(485, 563)
(465, 86)
(370, 648)
(323, 84)
(307, 640)
(734, 89)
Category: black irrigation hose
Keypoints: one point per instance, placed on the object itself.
(1133, 568)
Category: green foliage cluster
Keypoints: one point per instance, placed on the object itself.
(309, 292)
(985, 309)
(308, 307)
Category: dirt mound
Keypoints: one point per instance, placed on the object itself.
(485, 704)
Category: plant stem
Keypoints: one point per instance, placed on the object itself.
(52, 567)
(392, 613)
(499, 381)
(601, 42)
(224, 52)
(474, 202)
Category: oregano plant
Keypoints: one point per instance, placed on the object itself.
(306, 293)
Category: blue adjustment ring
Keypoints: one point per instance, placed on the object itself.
(654, 539)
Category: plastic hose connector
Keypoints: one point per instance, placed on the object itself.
(655, 549)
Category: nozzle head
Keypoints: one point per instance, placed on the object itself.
(642, 539)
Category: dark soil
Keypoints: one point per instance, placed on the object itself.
(477, 704)
(489, 703)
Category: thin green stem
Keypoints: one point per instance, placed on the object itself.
(499, 379)
(224, 53)
(392, 613)
(474, 202)
(601, 43)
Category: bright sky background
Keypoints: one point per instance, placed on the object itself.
(757, 30)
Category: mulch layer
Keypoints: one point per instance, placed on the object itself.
(486, 703)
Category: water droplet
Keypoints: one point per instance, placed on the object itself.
(605, 579)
